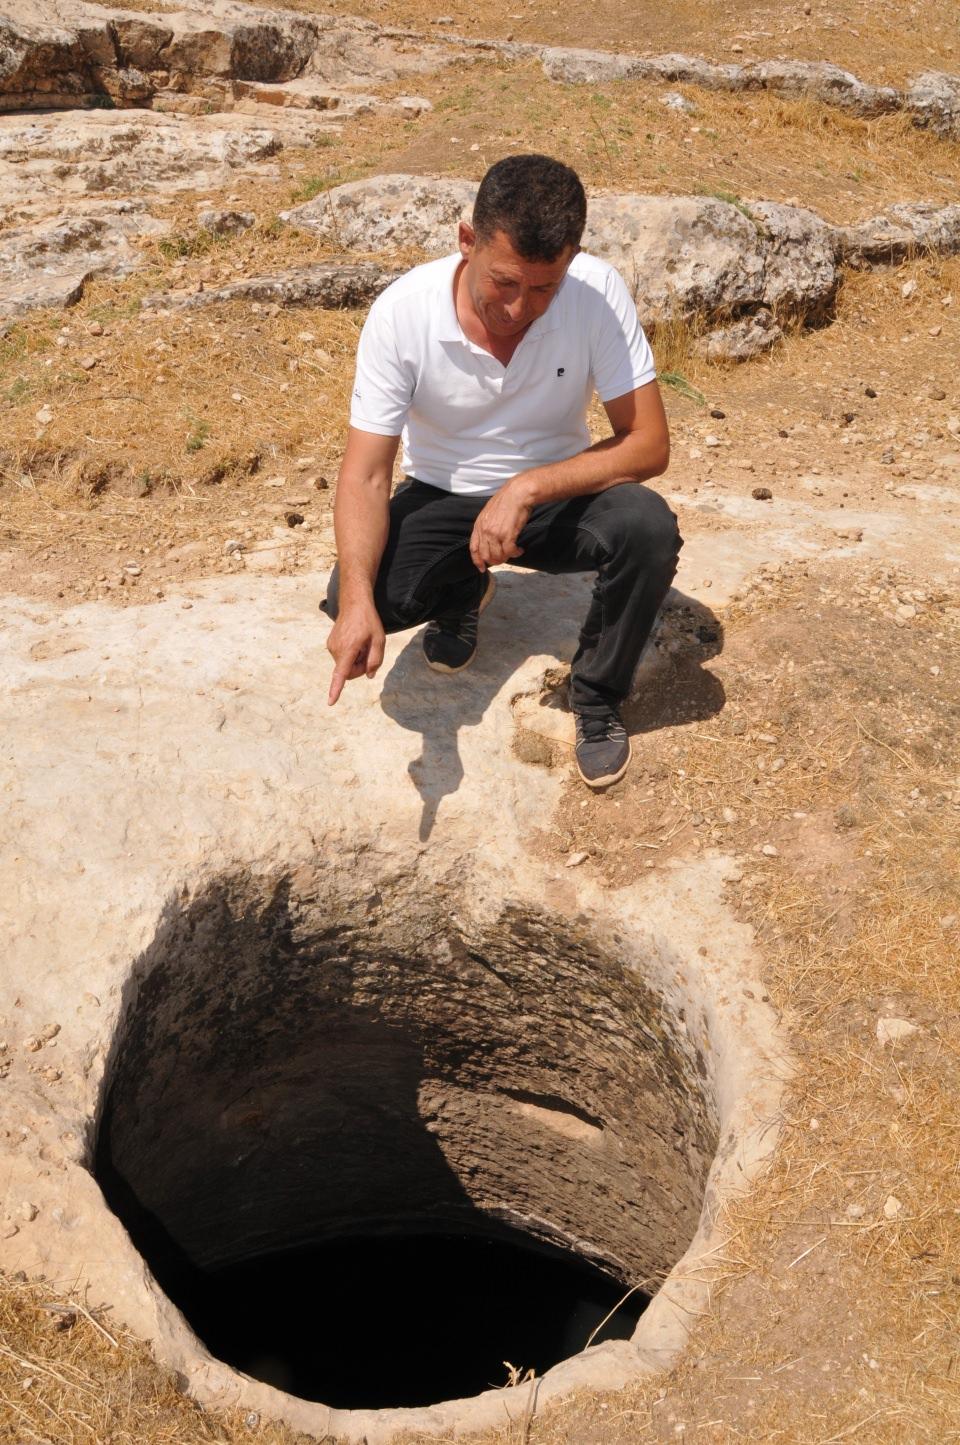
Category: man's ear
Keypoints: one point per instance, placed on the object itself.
(467, 239)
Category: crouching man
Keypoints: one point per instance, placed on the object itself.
(484, 363)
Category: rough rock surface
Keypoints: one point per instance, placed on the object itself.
(68, 52)
(46, 263)
(682, 255)
(903, 231)
(817, 79)
(933, 101)
(743, 340)
(224, 833)
(328, 286)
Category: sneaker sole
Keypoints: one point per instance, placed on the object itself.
(610, 777)
(484, 602)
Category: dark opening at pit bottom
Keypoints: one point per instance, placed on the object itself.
(369, 1323)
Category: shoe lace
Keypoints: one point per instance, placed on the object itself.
(600, 729)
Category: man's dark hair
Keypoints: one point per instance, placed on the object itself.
(537, 202)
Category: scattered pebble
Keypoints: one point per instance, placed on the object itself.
(908, 289)
(44, 416)
(762, 494)
(233, 544)
(576, 859)
(275, 481)
(95, 329)
(730, 815)
(133, 569)
(891, 1207)
(856, 1211)
(718, 415)
(937, 393)
(712, 441)
(88, 362)
(28, 1211)
(9, 1229)
(869, 391)
(769, 851)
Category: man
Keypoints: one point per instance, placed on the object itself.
(486, 361)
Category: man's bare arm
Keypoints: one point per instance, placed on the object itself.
(361, 519)
(639, 449)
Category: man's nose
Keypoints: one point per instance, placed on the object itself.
(517, 307)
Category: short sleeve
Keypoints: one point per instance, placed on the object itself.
(621, 359)
(382, 390)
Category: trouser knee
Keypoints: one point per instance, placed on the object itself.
(642, 525)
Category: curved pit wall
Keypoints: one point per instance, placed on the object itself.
(296, 1064)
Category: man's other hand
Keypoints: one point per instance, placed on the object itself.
(497, 528)
(356, 643)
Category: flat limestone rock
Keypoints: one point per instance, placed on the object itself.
(742, 340)
(47, 263)
(902, 231)
(49, 158)
(329, 286)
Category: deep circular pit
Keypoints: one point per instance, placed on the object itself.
(380, 1156)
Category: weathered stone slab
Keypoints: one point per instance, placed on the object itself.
(47, 263)
(933, 101)
(903, 231)
(333, 287)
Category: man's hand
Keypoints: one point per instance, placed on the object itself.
(356, 643)
(498, 526)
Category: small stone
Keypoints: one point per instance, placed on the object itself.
(95, 329)
(887, 457)
(892, 1031)
(233, 544)
(906, 611)
(907, 289)
(576, 859)
(132, 569)
(856, 1211)
(949, 920)
(769, 851)
(186, 606)
(28, 1211)
(321, 483)
(718, 415)
(48, 1032)
(695, 454)
(869, 391)
(935, 330)
(937, 393)
(762, 494)
(275, 481)
(9, 1229)
(44, 416)
(673, 100)
(88, 362)
(32, 1045)
(891, 1207)
(236, 396)
(846, 816)
(730, 815)
(712, 441)
(295, 519)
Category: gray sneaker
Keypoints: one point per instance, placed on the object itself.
(450, 643)
(602, 749)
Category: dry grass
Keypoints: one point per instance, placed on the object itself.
(873, 38)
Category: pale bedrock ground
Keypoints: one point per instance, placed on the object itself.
(154, 748)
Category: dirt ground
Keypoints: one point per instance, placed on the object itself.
(810, 728)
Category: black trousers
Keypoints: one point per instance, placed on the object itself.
(627, 535)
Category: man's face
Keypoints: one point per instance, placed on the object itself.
(507, 292)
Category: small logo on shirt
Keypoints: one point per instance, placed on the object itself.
(560, 370)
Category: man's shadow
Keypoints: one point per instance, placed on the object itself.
(534, 612)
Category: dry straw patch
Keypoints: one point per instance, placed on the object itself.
(873, 38)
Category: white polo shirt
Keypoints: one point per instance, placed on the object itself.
(468, 422)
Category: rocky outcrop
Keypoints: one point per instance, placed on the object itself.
(903, 231)
(47, 263)
(933, 101)
(332, 287)
(70, 53)
(46, 160)
(743, 340)
(817, 79)
(683, 256)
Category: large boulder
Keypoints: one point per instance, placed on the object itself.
(683, 256)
